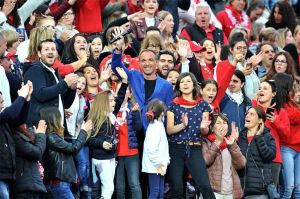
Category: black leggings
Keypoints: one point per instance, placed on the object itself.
(195, 165)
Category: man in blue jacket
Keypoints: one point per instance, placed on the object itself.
(146, 85)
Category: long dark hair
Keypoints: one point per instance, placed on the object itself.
(196, 90)
(288, 15)
(69, 55)
(284, 84)
(52, 117)
(24, 130)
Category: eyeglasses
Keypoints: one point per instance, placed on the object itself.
(278, 61)
(68, 14)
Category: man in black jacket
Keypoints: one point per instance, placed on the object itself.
(202, 28)
(10, 117)
(49, 88)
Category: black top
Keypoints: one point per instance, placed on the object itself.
(149, 87)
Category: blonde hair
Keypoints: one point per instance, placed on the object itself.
(282, 32)
(154, 39)
(99, 112)
(41, 19)
(296, 30)
(163, 14)
(37, 35)
(268, 34)
(10, 36)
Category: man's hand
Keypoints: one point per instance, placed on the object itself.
(71, 80)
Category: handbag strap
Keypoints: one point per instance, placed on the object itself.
(261, 172)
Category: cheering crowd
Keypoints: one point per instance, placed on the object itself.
(149, 99)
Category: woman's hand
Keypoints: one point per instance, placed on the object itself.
(229, 140)
(160, 169)
(237, 58)
(87, 126)
(234, 131)
(42, 127)
(105, 74)
(136, 17)
(184, 119)
(271, 117)
(261, 128)
(107, 145)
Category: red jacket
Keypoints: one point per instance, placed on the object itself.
(88, 15)
(293, 140)
(280, 128)
(242, 20)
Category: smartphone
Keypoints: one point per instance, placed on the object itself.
(270, 111)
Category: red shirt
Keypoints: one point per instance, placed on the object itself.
(250, 138)
(208, 71)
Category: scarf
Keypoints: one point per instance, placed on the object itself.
(238, 19)
(212, 138)
(181, 101)
(237, 97)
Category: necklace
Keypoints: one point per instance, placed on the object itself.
(234, 21)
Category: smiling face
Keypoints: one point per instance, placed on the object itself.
(210, 51)
(165, 64)
(91, 76)
(48, 53)
(67, 18)
(239, 5)
(269, 54)
(235, 84)
(96, 47)
(265, 93)
(186, 85)
(148, 63)
(280, 64)
(150, 6)
(202, 17)
(209, 92)
(80, 43)
(252, 120)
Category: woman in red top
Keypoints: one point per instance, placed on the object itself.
(234, 16)
(271, 99)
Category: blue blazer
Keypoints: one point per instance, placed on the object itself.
(163, 89)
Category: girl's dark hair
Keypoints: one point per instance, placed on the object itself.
(260, 112)
(284, 84)
(154, 110)
(255, 4)
(214, 118)
(225, 52)
(196, 91)
(288, 15)
(236, 38)
(290, 69)
(69, 55)
(91, 59)
(24, 130)
(53, 119)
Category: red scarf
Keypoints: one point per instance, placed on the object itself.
(238, 15)
(212, 137)
(181, 101)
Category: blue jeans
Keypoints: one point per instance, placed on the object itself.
(156, 186)
(129, 166)
(290, 173)
(4, 190)
(83, 167)
(59, 191)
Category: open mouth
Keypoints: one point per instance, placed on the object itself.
(82, 48)
(211, 98)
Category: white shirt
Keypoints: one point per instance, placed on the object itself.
(4, 88)
(156, 148)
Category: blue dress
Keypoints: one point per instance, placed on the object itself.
(192, 131)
